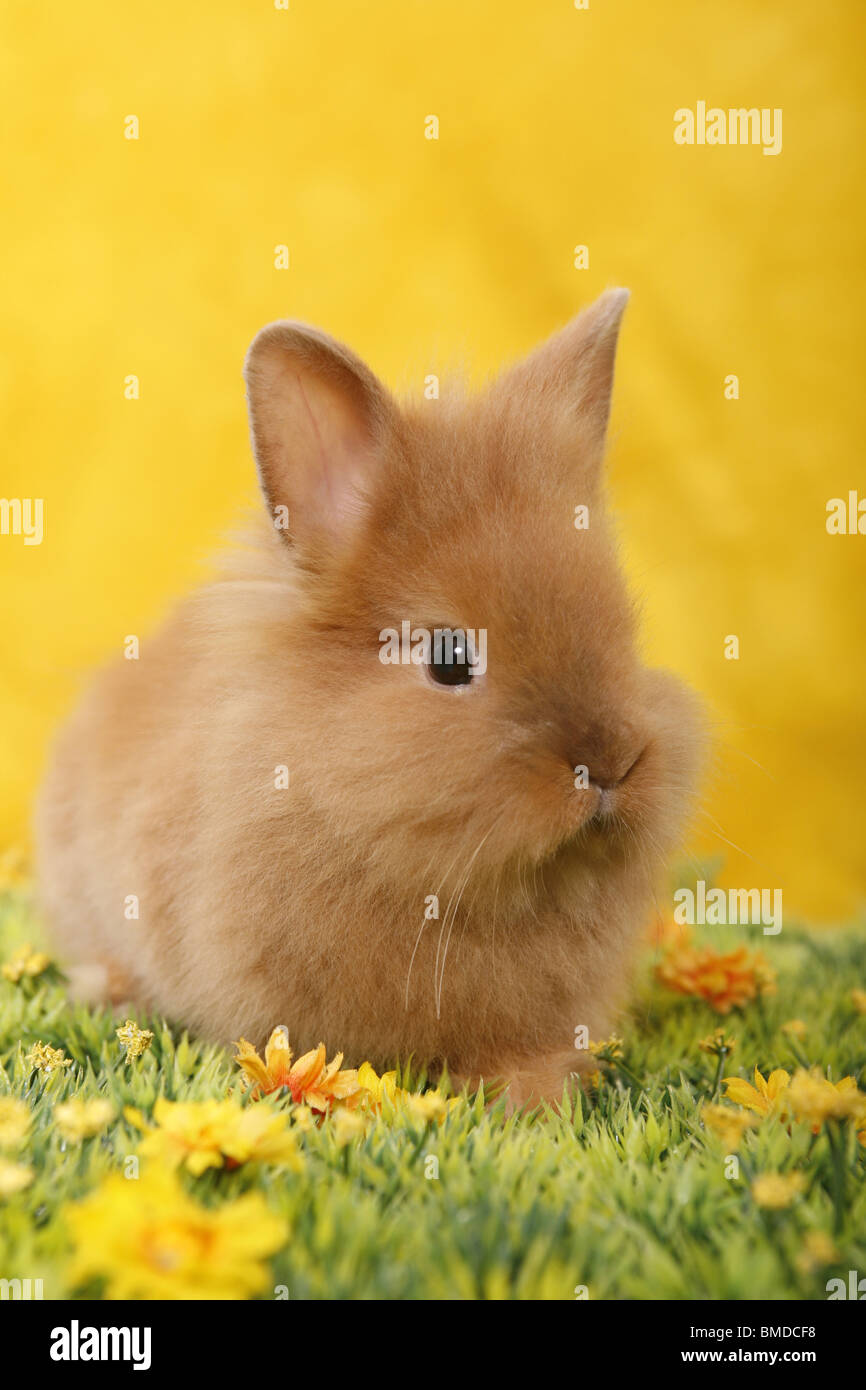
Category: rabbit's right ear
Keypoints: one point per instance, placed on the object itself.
(320, 420)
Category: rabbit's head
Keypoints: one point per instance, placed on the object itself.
(532, 739)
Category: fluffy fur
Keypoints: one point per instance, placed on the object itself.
(306, 906)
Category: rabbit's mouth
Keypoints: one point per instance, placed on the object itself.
(618, 818)
(605, 809)
(609, 791)
(605, 797)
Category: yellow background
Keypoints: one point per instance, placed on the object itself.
(306, 127)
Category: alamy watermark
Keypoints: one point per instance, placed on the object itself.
(744, 907)
(739, 126)
(418, 646)
(21, 1290)
(23, 516)
(77, 1343)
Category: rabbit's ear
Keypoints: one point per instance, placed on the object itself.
(319, 420)
(572, 373)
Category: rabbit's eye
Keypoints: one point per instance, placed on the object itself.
(451, 659)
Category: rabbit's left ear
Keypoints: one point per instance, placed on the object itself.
(320, 422)
(572, 373)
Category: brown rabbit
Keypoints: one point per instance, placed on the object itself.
(413, 787)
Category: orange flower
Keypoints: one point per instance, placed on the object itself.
(272, 1073)
(312, 1080)
(319, 1083)
(724, 979)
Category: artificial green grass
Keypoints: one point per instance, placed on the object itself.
(624, 1197)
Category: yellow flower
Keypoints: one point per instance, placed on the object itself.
(304, 1119)
(213, 1133)
(796, 1027)
(14, 1177)
(813, 1099)
(136, 1040)
(186, 1133)
(725, 980)
(777, 1190)
(427, 1106)
(378, 1088)
(818, 1250)
(14, 1122)
(148, 1240)
(858, 999)
(311, 1079)
(424, 1106)
(609, 1051)
(25, 961)
(79, 1119)
(46, 1059)
(347, 1125)
(717, 1044)
(257, 1134)
(729, 1125)
(763, 1096)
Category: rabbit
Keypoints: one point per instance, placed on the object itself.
(261, 821)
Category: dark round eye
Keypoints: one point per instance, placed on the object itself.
(450, 660)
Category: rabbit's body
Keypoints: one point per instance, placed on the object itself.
(314, 903)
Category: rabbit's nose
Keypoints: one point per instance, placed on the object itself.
(608, 778)
(605, 781)
(608, 750)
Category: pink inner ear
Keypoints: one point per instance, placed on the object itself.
(314, 441)
(343, 452)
